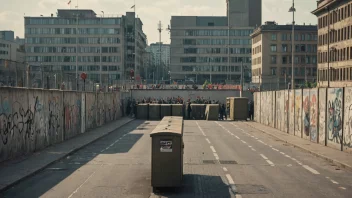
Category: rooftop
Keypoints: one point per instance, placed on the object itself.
(270, 26)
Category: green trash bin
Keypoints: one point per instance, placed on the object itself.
(167, 153)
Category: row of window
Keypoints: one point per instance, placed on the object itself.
(257, 49)
(4, 52)
(335, 16)
(110, 59)
(214, 59)
(90, 68)
(336, 74)
(67, 40)
(257, 39)
(217, 50)
(343, 54)
(4, 45)
(336, 36)
(257, 61)
(72, 49)
(72, 21)
(218, 32)
(92, 31)
(298, 48)
(206, 68)
(298, 36)
(298, 59)
(216, 42)
(299, 72)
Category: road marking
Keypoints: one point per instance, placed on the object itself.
(124, 135)
(249, 146)
(207, 140)
(216, 156)
(274, 149)
(300, 164)
(289, 165)
(256, 138)
(270, 162)
(333, 181)
(263, 156)
(102, 150)
(270, 146)
(229, 178)
(74, 192)
(213, 149)
(253, 149)
(311, 169)
(282, 153)
(243, 142)
(252, 136)
(288, 156)
(294, 159)
(237, 137)
(201, 130)
(343, 188)
(225, 169)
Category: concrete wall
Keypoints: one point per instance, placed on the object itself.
(220, 95)
(32, 119)
(322, 116)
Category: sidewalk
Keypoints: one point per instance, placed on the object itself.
(334, 156)
(16, 170)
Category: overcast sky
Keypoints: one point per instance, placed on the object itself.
(150, 11)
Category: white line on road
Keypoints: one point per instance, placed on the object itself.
(311, 169)
(270, 162)
(225, 169)
(274, 149)
(253, 149)
(282, 153)
(333, 181)
(207, 140)
(74, 192)
(213, 149)
(124, 135)
(201, 130)
(294, 159)
(102, 150)
(216, 156)
(249, 146)
(343, 188)
(243, 142)
(270, 146)
(252, 136)
(237, 137)
(263, 156)
(229, 178)
(288, 156)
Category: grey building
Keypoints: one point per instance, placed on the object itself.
(99, 45)
(161, 56)
(7, 35)
(214, 48)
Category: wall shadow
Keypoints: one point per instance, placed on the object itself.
(198, 186)
(44, 181)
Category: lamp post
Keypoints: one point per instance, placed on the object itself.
(293, 10)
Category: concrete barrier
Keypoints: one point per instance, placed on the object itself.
(177, 110)
(165, 110)
(198, 111)
(212, 112)
(154, 112)
(143, 111)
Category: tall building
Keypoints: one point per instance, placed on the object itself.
(214, 48)
(101, 46)
(161, 65)
(334, 43)
(272, 55)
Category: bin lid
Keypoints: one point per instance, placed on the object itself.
(170, 125)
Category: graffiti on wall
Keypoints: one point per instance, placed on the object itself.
(322, 111)
(286, 107)
(313, 115)
(54, 115)
(291, 112)
(298, 112)
(73, 117)
(306, 108)
(347, 132)
(334, 118)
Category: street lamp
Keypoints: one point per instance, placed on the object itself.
(293, 10)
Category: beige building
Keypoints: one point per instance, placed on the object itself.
(335, 18)
(272, 55)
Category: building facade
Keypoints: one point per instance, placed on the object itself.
(272, 55)
(98, 45)
(214, 48)
(162, 65)
(334, 43)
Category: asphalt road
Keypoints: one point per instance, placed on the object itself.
(222, 159)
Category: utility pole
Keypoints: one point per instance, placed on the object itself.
(241, 78)
(228, 38)
(77, 47)
(293, 10)
(158, 70)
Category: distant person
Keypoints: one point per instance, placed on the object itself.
(251, 110)
(189, 110)
(223, 107)
(221, 111)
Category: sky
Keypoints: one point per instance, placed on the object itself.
(150, 11)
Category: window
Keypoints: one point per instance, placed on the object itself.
(283, 71)
(273, 71)
(273, 37)
(273, 60)
(189, 41)
(284, 48)
(273, 48)
(284, 60)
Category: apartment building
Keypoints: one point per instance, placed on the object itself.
(272, 55)
(334, 43)
(106, 47)
(161, 55)
(214, 48)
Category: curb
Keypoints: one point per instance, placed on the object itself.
(336, 162)
(6, 187)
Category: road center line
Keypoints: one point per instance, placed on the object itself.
(282, 153)
(343, 188)
(288, 156)
(311, 169)
(216, 156)
(253, 149)
(335, 182)
(201, 130)
(229, 178)
(213, 149)
(243, 142)
(270, 162)
(274, 149)
(263, 156)
(207, 140)
(225, 169)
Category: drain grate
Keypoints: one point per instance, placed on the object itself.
(209, 161)
(228, 162)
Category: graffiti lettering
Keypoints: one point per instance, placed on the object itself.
(335, 119)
